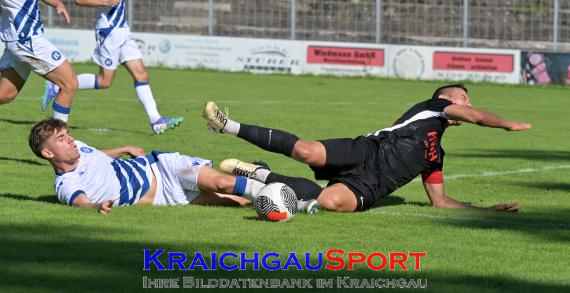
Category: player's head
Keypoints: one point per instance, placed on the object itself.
(456, 93)
(50, 140)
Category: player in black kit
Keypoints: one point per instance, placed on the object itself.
(365, 169)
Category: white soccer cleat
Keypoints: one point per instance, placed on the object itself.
(239, 168)
(309, 206)
(216, 119)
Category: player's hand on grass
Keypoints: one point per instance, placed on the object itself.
(105, 207)
(504, 207)
(518, 126)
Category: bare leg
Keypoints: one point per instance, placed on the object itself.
(64, 77)
(338, 197)
(210, 180)
(105, 77)
(137, 70)
(311, 152)
(10, 85)
(212, 198)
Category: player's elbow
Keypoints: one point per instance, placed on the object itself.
(438, 204)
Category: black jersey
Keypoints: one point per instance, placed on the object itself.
(411, 146)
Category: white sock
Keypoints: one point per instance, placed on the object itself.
(60, 112)
(252, 189)
(87, 81)
(146, 98)
(247, 188)
(261, 174)
(232, 127)
(60, 116)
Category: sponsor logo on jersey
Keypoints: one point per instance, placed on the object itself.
(86, 150)
(55, 55)
(431, 144)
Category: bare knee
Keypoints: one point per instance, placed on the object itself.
(307, 152)
(104, 83)
(331, 203)
(338, 198)
(141, 76)
(8, 97)
(224, 183)
(69, 86)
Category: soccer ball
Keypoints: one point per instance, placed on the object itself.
(276, 202)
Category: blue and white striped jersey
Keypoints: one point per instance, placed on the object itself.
(20, 19)
(102, 178)
(112, 17)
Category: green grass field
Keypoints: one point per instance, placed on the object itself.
(49, 247)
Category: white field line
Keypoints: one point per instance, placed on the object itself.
(503, 173)
(522, 222)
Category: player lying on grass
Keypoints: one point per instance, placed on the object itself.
(90, 178)
(365, 169)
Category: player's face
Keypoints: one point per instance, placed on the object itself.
(62, 147)
(460, 97)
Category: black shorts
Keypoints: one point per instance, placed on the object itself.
(352, 162)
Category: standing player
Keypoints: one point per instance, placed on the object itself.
(115, 46)
(27, 49)
(90, 178)
(363, 170)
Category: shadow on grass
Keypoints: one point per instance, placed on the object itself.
(43, 198)
(530, 155)
(76, 258)
(24, 161)
(548, 185)
(18, 122)
(548, 226)
(31, 123)
(394, 200)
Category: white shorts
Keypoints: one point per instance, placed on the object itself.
(37, 54)
(177, 178)
(117, 48)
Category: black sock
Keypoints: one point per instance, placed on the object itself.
(272, 140)
(304, 188)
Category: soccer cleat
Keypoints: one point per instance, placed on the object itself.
(309, 207)
(239, 168)
(216, 119)
(49, 94)
(164, 123)
(262, 164)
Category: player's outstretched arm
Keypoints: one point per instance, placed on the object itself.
(483, 118)
(97, 3)
(59, 8)
(125, 150)
(438, 199)
(82, 201)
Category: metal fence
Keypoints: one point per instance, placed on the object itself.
(520, 24)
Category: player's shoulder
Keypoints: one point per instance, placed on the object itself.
(66, 181)
(436, 104)
(84, 148)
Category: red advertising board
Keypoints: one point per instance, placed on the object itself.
(473, 62)
(345, 56)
